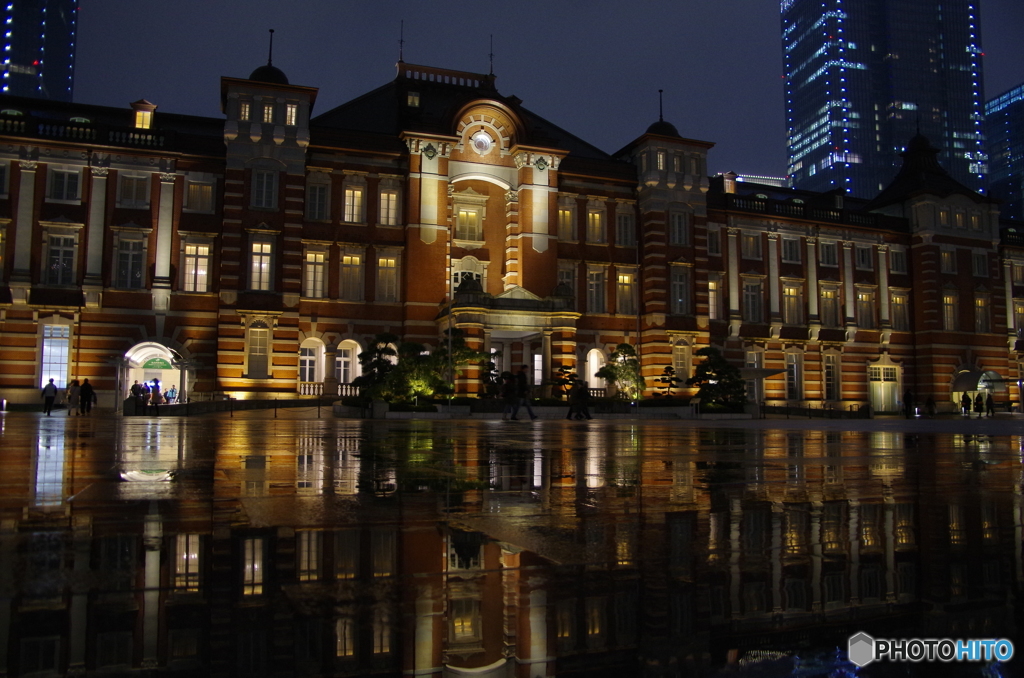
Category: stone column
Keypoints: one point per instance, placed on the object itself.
(546, 360)
(776, 556)
(851, 306)
(853, 525)
(816, 556)
(21, 276)
(164, 231)
(96, 227)
(1011, 308)
(883, 287)
(773, 278)
(79, 613)
(890, 549)
(152, 537)
(732, 249)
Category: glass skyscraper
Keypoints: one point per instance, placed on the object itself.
(1004, 127)
(864, 76)
(39, 48)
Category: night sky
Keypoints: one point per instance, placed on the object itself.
(592, 67)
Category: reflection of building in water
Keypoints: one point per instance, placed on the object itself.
(536, 560)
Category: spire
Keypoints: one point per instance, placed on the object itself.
(661, 116)
(270, 55)
(401, 42)
(490, 56)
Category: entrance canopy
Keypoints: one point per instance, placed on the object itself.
(978, 380)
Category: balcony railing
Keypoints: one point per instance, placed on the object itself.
(316, 389)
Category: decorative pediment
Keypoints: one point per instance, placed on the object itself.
(518, 293)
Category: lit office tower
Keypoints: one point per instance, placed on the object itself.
(864, 76)
(39, 48)
(1004, 128)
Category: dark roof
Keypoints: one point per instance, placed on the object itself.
(269, 73)
(442, 94)
(921, 174)
(664, 128)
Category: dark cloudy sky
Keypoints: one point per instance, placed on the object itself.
(590, 66)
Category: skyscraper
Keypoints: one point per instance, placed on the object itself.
(39, 48)
(865, 76)
(1004, 128)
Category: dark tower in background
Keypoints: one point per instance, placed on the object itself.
(1004, 129)
(865, 76)
(39, 48)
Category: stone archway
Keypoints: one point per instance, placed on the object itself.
(152, 360)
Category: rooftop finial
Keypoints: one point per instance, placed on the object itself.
(490, 56)
(401, 42)
(270, 56)
(661, 116)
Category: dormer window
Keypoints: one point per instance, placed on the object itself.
(412, 100)
(291, 115)
(661, 161)
(243, 110)
(143, 118)
(268, 113)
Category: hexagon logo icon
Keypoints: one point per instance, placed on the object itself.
(861, 649)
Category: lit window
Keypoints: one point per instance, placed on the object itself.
(412, 99)
(381, 631)
(793, 305)
(389, 208)
(566, 224)
(981, 314)
(828, 307)
(260, 276)
(186, 562)
(313, 286)
(143, 119)
(196, 268)
(387, 278)
(264, 189)
(268, 113)
(291, 114)
(252, 567)
(866, 309)
(626, 292)
(900, 309)
(950, 311)
(307, 553)
(714, 299)
(467, 226)
(947, 261)
(595, 226)
(199, 197)
(383, 552)
(130, 264)
(345, 637)
(54, 362)
(354, 204)
(243, 110)
(352, 277)
(661, 160)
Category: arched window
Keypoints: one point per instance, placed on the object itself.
(311, 360)
(595, 361)
(346, 361)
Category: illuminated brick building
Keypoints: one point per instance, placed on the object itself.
(256, 254)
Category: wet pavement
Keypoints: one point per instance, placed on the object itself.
(282, 544)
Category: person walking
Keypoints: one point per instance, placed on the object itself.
(523, 394)
(990, 406)
(73, 395)
(508, 394)
(88, 397)
(579, 399)
(979, 405)
(908, 404)
(48, 396)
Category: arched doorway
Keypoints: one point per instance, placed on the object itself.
(148, 361)
(595, 361)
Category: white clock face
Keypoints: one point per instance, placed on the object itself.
(482, 142)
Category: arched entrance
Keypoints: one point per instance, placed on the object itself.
(972, 381)
(151, 360)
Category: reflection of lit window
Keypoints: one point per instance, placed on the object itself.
(594, 615)
(56, 339)
(565, 621)
(49, 486)
(988, 523)
(869, 533)
(346, 554)
(465, 620)
(905, 525)
(832, 527)
(252, 566)
(307, 547)
(186, 562)
(382, 545)
(381, 631)
(345, 630)
(796, 531)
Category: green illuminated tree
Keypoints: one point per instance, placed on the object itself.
(719, 380)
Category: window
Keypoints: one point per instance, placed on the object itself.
(54, 363)
(186, 562)
(352, 276)
(900, 311)
(660, 157)
(677, 163)
(566, 224)
(981, 314)
(345, 637)
(307, 555)
(412, 99)
(567, 275)
(831, 361)
(61, 260)
(751, 246)
(596, 277)
(1018, 316)
(625, 231)
(980, 261)
(828, 307)
(465, 620)
(863, 258)
(794, 376)
(829, 254)
(291, 114)
(681, 289)
(64, 185)
(268, 113)
(259, 352)
(264, 189)
(679, 228)
(753, 311)
(714, 299)
(252, 567)
(40, 656)
(143, 119)
(260, 269)
(1018, 274)
(134, 190)
(950, 311)
(975, 222)
(130, 264)
(467, 225)
(244, 110)
(791, 250)
(381, 631)
(625, 291)
(387, 278)
(866, 309)
(389, 208)
(383, 553)
(468, 268)
(346, 367)
(317, 197)
(714, 242)
(681, 360)
(196, 268)
(313, 279)
(595, 226)
(947, 261)
(793, 304)
(199, 196)
(354, 204)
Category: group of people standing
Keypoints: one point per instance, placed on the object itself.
(986, 405)
(515, 392)
(80, 397)
(149, 395)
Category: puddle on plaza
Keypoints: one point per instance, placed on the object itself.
(264, 546)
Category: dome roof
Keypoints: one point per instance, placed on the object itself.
(664, 128)
(271, 74)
